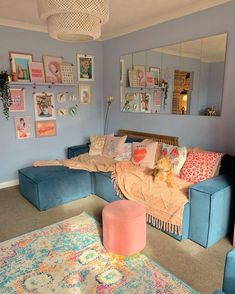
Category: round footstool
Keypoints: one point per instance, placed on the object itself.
(124, 227)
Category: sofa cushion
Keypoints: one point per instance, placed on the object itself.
(200, 166)
(114, 146)
(47, 187)
(177, 154)
(144, 153)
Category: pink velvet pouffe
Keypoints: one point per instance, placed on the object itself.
(124, 227)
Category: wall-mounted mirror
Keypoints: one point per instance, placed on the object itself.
(183, 78)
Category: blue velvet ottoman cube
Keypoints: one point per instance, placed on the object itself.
(50, 186)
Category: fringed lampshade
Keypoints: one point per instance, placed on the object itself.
(74, 20)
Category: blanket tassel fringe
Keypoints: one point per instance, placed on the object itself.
(153, 221)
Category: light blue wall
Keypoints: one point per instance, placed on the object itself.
(15, 154)
(215, 133)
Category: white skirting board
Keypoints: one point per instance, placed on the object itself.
(9, 184)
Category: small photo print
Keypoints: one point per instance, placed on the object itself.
(17, 100)
(45, 128)
(85, 65)
(23, 127)
(44, 106)
(85, 94)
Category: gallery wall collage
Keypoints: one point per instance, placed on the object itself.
(52, 71)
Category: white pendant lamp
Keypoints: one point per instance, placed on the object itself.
(74, 20)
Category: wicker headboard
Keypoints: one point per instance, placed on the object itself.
(159, 138)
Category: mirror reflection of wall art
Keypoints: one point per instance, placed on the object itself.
(18, 100)
(85, 65)
(121, 70)
(156, 74)
(145, 102)
(52, 67)
(85, 93)
(141, 76)
(45, 128)
(23, 127)
(19, 64)
(44, 106)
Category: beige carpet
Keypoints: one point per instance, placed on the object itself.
(199, 267)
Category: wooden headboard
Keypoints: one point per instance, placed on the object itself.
(155, 137)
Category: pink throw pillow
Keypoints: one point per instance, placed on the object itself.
(200, 166)
(114, 146)
(144, 153)
(126, 155)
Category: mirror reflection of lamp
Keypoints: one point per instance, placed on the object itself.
(184, 100)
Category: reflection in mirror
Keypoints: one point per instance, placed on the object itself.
(183, 78)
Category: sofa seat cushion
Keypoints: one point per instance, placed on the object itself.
(47, 187)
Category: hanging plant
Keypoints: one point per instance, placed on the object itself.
(5, 95)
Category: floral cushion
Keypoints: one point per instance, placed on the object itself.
(200, 166)
(114, 146)
(127, 153)
(178, 156)
(97, 144)
(144, 153)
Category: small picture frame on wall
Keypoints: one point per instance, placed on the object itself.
(85, 64)
(156, 74)
(67, 73)
(52, 68)
(19, 63)
(23, 127)
(44, 106)
(17, 100)
(36, 70)
(85, 93)
(45, 128)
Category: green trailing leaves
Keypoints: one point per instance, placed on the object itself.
(5, 95)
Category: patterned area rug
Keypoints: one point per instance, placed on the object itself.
(68, 257)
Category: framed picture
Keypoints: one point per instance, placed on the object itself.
(156, 74)
(45, 128)
(36, 71)
(67, 73)
(85, 93)
(131, 102)
(44, 106)
(85, 65)
(141, 76)
(19, 63)
(52, 68)
(149, 79)
(145, 102)
(121, 70)
(133, 78)
(23, 127)
(18, 100)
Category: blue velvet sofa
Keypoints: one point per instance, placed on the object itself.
(206, 219)
(229, 274)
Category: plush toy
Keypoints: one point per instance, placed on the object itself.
(163, 171)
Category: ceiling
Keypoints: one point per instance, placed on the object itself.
(125, 15)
